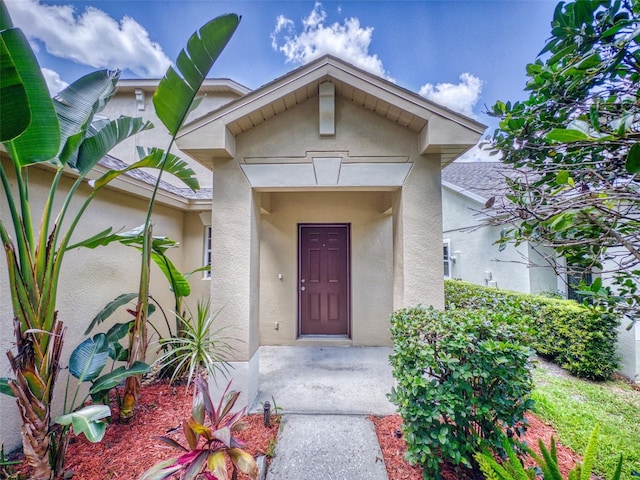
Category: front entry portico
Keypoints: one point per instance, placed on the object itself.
(326, 147)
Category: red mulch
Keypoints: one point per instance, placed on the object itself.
(394, 448)
(129, 449)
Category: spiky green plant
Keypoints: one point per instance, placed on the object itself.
(200, 346)
(547, 460)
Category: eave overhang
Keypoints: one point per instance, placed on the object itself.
(438, 129)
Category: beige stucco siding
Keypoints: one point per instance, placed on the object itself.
(191, 255)
(251, 250)
(89, 278)
(232, 277)
(371, 261)
(421, 232)
(359, 132)
(124, 103)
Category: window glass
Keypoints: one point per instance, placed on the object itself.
(447, 258)
(207, 250)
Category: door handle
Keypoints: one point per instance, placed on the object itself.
(303, 288)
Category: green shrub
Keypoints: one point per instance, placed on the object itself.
(462, 377)
(581, 339)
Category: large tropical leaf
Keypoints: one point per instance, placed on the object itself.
(109, 308)
(20, 75)
(131, 237)
(102, 137)
(179, 283)
(15, 114)
(176, 90)
(116, 333)
(113, 378)
(77, 104)
(89, 358)
(87, 420)
(155, 158)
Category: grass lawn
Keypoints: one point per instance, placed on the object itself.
(574, 406)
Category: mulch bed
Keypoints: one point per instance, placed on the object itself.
(129, 449)
(393, 449)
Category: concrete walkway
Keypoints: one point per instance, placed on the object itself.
(332, 447)
(325, 394)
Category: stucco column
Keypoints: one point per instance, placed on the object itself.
(235, 272)
(417, 237)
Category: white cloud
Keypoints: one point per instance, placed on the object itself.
(92, 38)
(348, 41)
(479, 154)
(461, 97)
(54, 82)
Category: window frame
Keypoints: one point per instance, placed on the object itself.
(206, 275)
(448, 264)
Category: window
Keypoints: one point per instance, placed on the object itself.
(575, 276)
(447, 258)
(207, 250)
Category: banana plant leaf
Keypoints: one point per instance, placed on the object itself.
(77, 104)
(113, 378)
(89, 358)
(108, 310)
(177, 91)
(40, 141)
(130, 237)
(155, 158)
(15, 113)
(116, 333)
(179, 283)
(102, 137)
(87, 420)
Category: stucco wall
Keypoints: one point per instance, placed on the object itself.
(244, 277)
(89, 278)
(124, 103)
(191, 253)
(628, 339)
(371, 261)
(475, 251)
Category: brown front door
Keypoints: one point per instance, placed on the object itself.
(323, 279)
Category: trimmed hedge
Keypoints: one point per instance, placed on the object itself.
(463, 377)
(579, 338)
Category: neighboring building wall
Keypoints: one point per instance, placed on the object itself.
(89, 278)
(542, 277)
(477, 258)
(629, 350)
(371, 261)
(628, 339)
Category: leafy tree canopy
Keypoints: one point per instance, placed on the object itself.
(573, 146)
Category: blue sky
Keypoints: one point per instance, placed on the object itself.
(463, 54)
